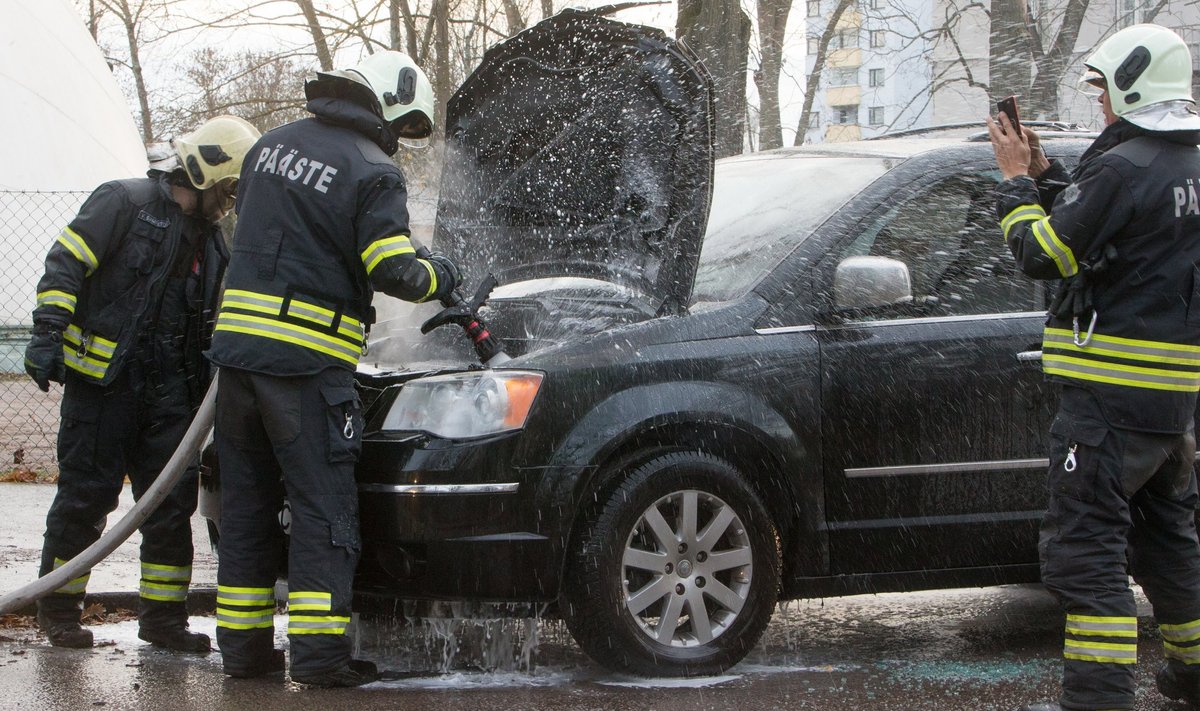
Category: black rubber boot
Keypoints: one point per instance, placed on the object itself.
(60, 622)
(177, 639)
(1177, 687)
(356, 673)
(272, 664)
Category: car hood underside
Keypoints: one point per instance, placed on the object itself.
(581, 147)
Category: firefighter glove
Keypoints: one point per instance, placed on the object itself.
(44, 356)
(448, 275)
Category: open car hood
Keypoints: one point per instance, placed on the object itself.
(581, 147)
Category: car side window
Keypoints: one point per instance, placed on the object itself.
(951, 242)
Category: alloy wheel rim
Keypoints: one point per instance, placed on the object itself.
(686, 569)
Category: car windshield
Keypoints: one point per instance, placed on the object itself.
(762, 209)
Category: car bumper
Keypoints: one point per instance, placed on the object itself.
(453, 521)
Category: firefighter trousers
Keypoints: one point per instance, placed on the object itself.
(131, 427)
(1121, 503)
(298, 436)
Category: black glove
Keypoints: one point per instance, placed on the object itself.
(448, 275)
(44, 356)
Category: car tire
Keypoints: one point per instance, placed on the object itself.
(639, 568)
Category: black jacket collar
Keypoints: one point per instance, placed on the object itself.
(346, 113)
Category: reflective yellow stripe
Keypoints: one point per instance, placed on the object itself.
(288, 333)
(158, 571)
(164, 592)
(245, 620)
(314, 601)
(268, 304)
(76, 245)
(1114, 374)
(1023, 213)
(1096, 626)
(381, 249)
(432, 280)
(1184, 632)
(98, 345)
(53, 297)
(1127, 348)
(317, 624)
(78, 586)
(1187, 655)
(1054, 247)
(1107, 652)
(245, 597)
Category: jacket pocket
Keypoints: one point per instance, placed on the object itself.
(345, 423)
(1075, 457)
(1193, 309)
(143, 245)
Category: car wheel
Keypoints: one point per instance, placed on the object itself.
(678, 573)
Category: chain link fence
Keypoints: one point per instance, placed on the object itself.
(29, 222)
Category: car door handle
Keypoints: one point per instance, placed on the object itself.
(1029, 356)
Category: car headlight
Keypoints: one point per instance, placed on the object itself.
(464, 405)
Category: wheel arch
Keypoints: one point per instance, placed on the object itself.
(636, 425)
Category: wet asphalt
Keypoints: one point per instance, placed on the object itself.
(986, 649)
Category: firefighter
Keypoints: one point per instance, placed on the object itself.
(1123, 341)
(322, 224)
(124, 312)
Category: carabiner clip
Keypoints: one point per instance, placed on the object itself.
(1075, 330)
(348, 430)
(1071, 465)
(82, 350)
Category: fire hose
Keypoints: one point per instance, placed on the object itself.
(193, 439)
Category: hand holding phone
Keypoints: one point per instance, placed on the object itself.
(1008, 107)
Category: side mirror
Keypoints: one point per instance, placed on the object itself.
(870, 282)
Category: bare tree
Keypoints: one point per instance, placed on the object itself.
(265, 89)
(719, 32)
(324, 57)
(134, 16)
(813, 82)
(772, 26)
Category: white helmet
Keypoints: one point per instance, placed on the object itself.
(214, 151)
(1141, 67)
(402, 92)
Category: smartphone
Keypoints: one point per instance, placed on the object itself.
(1008, 107)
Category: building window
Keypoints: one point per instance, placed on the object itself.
(843, 76)
(844, 38)
(814, 43)
(844, 115)
(1130, 12)
(814, 8)
(875, 77)
(878, 38)
(875, 115)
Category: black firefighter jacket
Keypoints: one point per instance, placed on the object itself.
(322, 223)
(1134, 200)
(107, 271)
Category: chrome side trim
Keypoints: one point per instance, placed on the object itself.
(951, 468)
(923, 521)
(440, 489)
(784, 329)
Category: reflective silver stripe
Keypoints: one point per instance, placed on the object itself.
(1187, 655)
(1054, 247)
(1114, 374)
(315, 601)
(1104, 652)
(156, 571)
(163, 591)
(245, 597)
(1024, 213)
(76, 245)
(244, 620)
(1128, 348)
(380, 250)
(507, 488)
(1185, 632)
(289, 333)
(273, 305)
(96, 345)
(1095, 626)
(317, 624)
(74, 587)
(61, 299)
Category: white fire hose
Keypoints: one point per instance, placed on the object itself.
(193, 439)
